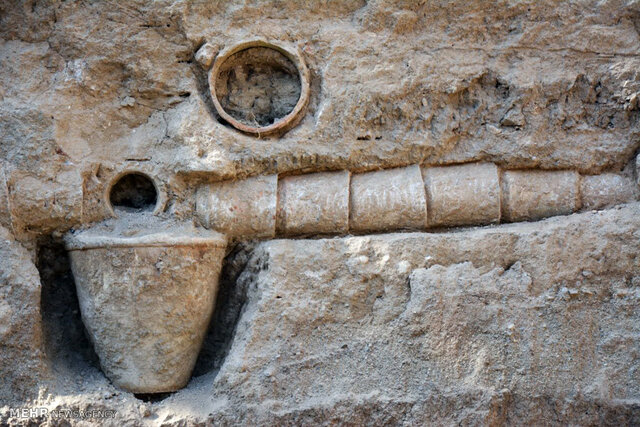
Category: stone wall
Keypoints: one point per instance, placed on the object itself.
(530, 322)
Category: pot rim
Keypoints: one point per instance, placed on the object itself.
(80, 241)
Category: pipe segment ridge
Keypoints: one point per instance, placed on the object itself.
(411, 197)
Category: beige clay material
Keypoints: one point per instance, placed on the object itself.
(391, 199)
(239, 208)
(532, 195)
(146, 301)
(396, 199)
(313, 203)
(463, 194)
(606, 190)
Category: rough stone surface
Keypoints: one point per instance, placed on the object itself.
(206, 54)
(493, 325)
(522, 84)
(5, 210)
(508, 324)
(22, 361)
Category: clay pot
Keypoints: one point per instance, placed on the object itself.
(146, 301)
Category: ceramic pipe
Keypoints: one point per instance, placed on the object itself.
(41, 204)
(402, 198)
(390, 199)
(607, 189)
(532, 195)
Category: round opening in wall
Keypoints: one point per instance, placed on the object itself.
(260, 88)
(133, 192)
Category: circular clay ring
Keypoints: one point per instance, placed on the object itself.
(160, 190)
(243, 60)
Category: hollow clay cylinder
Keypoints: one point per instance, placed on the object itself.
(255, 54)
(606, 190)
(46, 201)
(313, 203)
(244, 208)
(146, 301)
(531, 195)
(463, 195)
(391, 199)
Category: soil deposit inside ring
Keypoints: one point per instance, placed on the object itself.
(258, 86)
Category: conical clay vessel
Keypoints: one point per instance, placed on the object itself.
(146, 300)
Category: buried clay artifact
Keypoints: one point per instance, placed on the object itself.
(463, 194)
(146, 288)
(405, 198)
(260, 88)
(445, 231)
(146, 298)
(313, 203)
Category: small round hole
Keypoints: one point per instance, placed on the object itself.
(134, 192)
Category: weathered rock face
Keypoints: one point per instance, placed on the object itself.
(479, 113)
(506, 317)
(489, 325)
(22, 361)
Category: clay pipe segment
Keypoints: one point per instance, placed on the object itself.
(283, 124)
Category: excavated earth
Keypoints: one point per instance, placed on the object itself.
(535, 323)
